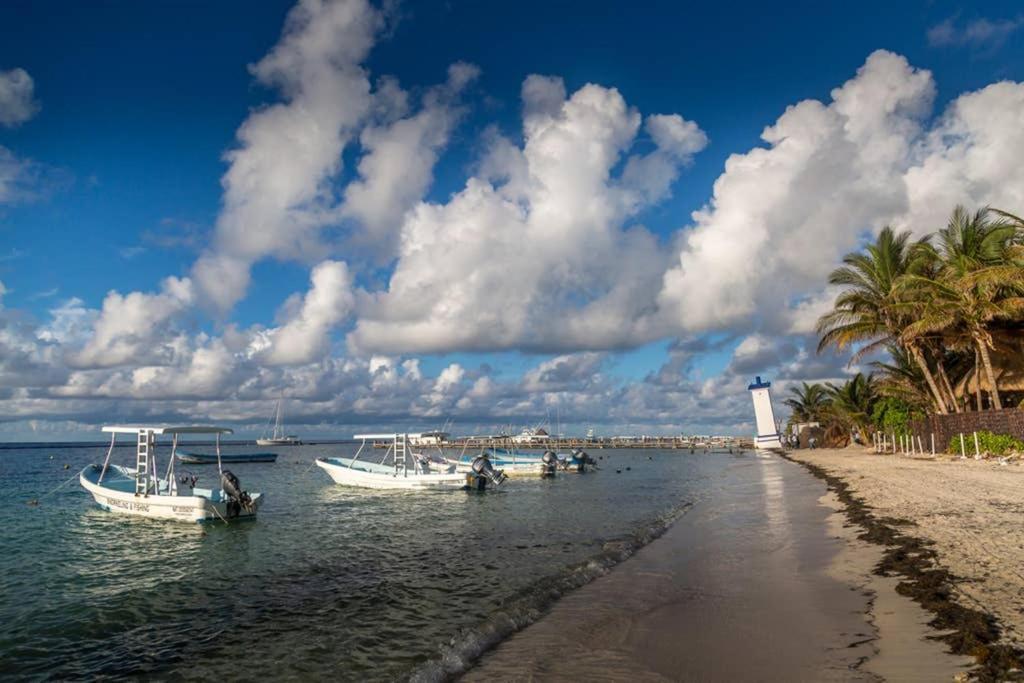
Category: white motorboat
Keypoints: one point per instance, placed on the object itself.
(278, 437)
(142, 492)
(398, 469)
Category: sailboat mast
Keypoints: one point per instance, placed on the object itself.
(277, 421)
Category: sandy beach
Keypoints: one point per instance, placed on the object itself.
(970, 512)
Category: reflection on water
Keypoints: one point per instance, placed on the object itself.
(327, 582)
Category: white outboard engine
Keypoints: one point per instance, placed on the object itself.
(482, 472)
(238, 499)
(549, 464)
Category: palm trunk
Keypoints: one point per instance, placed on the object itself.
(987, 362)
(939, 402)
(948, 386)
(977, 378)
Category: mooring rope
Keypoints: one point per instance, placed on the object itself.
(35, 501)
(214, 506)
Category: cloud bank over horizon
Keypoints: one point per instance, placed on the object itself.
(541, 250)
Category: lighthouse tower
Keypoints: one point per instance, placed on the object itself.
(767, 433)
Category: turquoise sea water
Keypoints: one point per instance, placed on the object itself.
(328, 582)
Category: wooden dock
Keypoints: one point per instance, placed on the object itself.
(569, 443)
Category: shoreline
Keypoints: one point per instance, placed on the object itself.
(916, 564)
(764, 549)
(465, 650)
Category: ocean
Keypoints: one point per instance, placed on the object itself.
(327, 582)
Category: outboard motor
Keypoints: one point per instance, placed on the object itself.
(237, 498)
(579, 460)
(587, 459)
(482, 472)
(549, 464)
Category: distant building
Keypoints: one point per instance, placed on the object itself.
(435, 438)
(797, 428)
(539, 435)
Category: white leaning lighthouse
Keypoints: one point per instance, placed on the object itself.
(767, 433)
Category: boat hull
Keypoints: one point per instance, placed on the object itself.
(517, 469)
(186, 508)
(339, 470)
(207, 459)
(278, 442)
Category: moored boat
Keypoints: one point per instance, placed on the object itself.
(193, 458)
(278, 437)
(511, 463)
(399, 468)
(142, 492)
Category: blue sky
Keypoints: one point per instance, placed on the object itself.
(121, 165)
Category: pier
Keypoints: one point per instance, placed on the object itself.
(592, 443)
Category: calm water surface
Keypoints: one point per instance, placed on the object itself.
(328, 582)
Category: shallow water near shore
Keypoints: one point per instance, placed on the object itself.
(328, 582)
(739, 589)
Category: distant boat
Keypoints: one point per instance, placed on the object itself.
(278, 437)
(192, 458)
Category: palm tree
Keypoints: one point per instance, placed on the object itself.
(852, 403)
(901, 378)
(868, 310)
(808, 402)
(980, 280)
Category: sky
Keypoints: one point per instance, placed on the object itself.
(407, 215)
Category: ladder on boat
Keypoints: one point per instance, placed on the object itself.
(143, 453)
(401, 448)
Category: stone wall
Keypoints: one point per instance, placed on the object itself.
(945, 427)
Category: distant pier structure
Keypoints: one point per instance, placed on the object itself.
(767, 432)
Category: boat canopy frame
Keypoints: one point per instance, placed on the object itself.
(145, 452)
(398, 450)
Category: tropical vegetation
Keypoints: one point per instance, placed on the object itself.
(940, 320)
(994, 444)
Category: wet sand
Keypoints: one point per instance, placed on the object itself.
(758, 581)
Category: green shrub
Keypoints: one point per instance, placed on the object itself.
(893, 416)
(995, 444)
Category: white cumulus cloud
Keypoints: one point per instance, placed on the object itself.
(328, 302)
(277, 193)
(397, 166)
(17, 98)
(137, 327)
(534, 251)
(782, 216)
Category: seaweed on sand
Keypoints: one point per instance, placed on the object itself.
(966, 631)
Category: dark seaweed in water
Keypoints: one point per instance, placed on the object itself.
(970, 632)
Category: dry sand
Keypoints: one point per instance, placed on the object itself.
(973, 511)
